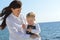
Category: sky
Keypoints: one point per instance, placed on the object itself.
(45, 10)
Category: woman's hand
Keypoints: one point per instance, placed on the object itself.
(34, 36)
(23, 26)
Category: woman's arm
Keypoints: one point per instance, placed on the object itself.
(13, 26)
(16, 29)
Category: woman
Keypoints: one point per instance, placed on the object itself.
(14, 21)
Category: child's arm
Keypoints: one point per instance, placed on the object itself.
(37, 30)
(33, 35)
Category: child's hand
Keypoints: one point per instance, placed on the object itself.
(29, 30)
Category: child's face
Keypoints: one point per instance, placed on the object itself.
(30, 20)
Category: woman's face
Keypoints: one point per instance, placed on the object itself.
(16, 11)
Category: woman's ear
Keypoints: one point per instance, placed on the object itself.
(12, 9)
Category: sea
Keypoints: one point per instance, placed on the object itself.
(49, 31)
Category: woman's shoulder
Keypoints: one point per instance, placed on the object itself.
(9, 17)
(21, 15)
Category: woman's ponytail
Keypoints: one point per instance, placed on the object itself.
(5, 12)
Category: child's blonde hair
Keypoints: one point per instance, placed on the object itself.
(30, 14)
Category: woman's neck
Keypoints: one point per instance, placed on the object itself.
(15, 15)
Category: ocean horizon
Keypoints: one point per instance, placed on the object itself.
(49, 31)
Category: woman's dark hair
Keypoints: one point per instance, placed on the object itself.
(7, 11)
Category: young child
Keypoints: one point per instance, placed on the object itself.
(32, 29)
